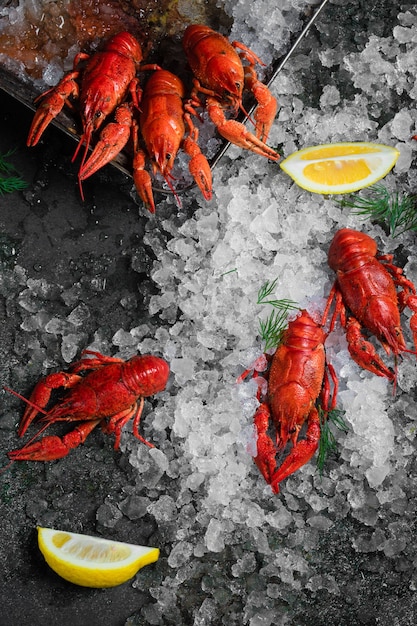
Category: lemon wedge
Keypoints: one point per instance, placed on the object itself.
(92, 561)
(340, 167)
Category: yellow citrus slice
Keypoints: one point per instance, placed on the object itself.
(340, 167)
(92, 561)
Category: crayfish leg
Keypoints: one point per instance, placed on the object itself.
(97, 362)
(136, 421)
(116, 423)
(326, 391)
(406, 298)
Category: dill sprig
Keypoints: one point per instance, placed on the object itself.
(272, 328)
(398, 211)
(5, 166)
(328, 441)
(10, 182)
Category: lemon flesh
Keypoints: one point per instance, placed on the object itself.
(92, 561)
(340, 167)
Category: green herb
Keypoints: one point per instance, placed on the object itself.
(229, 272)
(272, 328)
(5, 166)
(5, 496)
(328, 442)
(10, 182)
(398, 211)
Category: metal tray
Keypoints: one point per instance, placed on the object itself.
(159, 42)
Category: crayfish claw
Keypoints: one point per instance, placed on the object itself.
(143, 184)
(113, 139)
(237, 133)
(265, 448)
(52, 103)
(301, 452)
(41, 396)
(48, 449)
(199, 168)
(52, 447)
(267, 105)
(364, 353)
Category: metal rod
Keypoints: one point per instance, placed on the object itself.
(298, 41)
(291, 51)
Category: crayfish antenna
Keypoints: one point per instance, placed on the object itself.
(394, 382)
(6, 467)
(246, 114)
(36, 435)
(40, 431)
(29, 402)
(167, 178)
(84, 139)
(80, 187)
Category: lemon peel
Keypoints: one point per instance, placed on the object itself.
(340, 167)
(92, 561)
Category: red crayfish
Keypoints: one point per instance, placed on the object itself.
(298, 389)
(162, 124)
(220, 75)
(111, 393)
(101, 88)
(365, 295)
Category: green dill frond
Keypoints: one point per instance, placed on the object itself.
(272, 328)
(336, 417)
(328, 443)
(397, 211)
(5, 166)
(229, 272)
(266, 291)
(12, 183)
